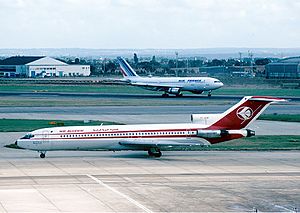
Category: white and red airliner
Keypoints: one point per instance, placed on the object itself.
(205, 129)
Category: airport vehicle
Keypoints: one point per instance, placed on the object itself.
(205, 129)
(169, 85)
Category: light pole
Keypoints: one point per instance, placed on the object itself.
(176, 53)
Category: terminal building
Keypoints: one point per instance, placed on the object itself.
(288, 68)
(40, 66)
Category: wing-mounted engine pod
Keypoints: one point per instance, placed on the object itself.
(174, 91)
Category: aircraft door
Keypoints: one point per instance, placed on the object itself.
(188, 133)
(45, 139)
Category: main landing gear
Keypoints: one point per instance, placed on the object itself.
(209, 93)
(166, 95)
(42, 154)
(154, 152)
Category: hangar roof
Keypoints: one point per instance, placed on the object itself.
(290, 60)
(20, 60)
(32, 60)
(46, 61)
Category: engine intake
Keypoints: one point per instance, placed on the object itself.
(250, 133)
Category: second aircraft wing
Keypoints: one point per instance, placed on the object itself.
(146, 144)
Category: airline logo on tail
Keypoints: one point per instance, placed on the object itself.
(244, 113)
(126, 69)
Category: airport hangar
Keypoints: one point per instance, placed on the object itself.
(40, 66)
(288, 68)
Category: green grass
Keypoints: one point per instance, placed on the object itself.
(280, 117)
(25, 125)
(256, 143)
(258, 91)
(277, 142)
(52, 101)
(101, 88)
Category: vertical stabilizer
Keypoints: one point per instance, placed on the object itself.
(126, 69)
(243, 113)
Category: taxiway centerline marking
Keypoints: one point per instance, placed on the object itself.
(120, 193)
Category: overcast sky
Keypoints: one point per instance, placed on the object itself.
(149, 23)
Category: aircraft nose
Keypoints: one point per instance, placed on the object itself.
(221, 84)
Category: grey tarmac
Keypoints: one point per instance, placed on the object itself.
(128, 181)
(103, 181)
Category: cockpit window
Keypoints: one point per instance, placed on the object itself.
(28, 136)
(217, 81)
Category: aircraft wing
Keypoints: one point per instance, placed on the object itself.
(155, 86)
(146, 144)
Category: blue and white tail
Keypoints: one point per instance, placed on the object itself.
(126, 69)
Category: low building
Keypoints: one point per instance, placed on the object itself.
(288, 68)
(40, 66)
(214, 70)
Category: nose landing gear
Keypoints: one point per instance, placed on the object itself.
(209, 93)
(42, 154)
(154, 152)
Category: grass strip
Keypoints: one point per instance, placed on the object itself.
(26, 125)
(256, 143)
(280, 117)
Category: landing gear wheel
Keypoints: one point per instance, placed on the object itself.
(209, 94)
(42, 155)
(157, 153)
(165, 95)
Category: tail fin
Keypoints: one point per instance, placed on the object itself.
(243, 113)
(126, 69)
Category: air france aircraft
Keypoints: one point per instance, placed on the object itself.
(169, 85)
(205, 129)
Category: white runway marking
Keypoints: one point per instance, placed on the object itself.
(121, 194)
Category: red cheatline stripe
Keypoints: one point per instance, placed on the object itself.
(120, 131)
(104, 137)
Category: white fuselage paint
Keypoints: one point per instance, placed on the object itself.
(108, 137)
(111, 137)
(192, 84)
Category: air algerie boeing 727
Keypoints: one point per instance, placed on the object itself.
(205, 129)
(169, 85)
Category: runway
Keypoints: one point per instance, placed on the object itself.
(144, 110)
(130, 96)
(132, 182)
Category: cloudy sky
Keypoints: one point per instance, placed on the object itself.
(149, 23)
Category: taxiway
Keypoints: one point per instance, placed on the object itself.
(133, 182)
